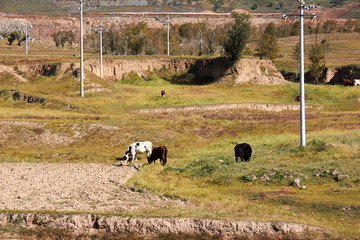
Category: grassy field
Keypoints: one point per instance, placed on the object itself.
(201, 166)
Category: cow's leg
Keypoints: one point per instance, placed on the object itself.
(133, 155)
(236, 154)
(242, 157)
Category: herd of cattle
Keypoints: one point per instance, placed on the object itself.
(242, 151)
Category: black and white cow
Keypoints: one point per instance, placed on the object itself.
(138, 147)
(243, 151)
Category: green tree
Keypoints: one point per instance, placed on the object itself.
(237, 36)
(57, 38)
(136, 37)
(316, 56)
(15, 35)
(70, 37)
(114, 41)
(267, 45)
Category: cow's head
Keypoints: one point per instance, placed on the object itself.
(126, 157)
(149, 159)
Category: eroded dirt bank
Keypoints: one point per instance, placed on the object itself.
(92, 224)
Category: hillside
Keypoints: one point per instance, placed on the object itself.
(71, 149)
(50, 7)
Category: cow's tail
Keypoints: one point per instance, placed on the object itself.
(165, 156)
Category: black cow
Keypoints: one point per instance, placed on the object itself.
(158, 152)
(243, 151)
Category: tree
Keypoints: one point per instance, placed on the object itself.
(61, 37)
(15, 35)
(70, 37)
(237, 36)
(267, 45)
(316, 56)
(136, 37)
(330, 26)
(57, 38)
(114, 41)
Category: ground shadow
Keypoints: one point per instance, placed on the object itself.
(203, 72)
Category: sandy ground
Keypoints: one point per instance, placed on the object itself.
(85, 187)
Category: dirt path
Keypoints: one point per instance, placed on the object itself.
(216, 107)
(88, 187)
(11, 71)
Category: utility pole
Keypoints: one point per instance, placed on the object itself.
(26, 40)
(81, 52)
(302, 88)
(168, 34)
(302, 78)
(101, 62)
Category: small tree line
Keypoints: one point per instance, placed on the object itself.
(199, 39)
(138, 39)
(14, 36)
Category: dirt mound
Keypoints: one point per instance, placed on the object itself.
(254, 71)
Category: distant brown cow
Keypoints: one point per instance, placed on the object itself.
(297, 99)
(347, 82)
(158, 152)
(163, 93)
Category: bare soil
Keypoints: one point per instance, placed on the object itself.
(94, 187)
(85, 187)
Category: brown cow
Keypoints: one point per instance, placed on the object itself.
(163, 93)
(347, 82)
(158, 152)
(297, 99)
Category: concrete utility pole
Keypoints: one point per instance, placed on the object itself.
(26, 40)
(81, 52)
(302, 78)
(168, 34)
(101, 62)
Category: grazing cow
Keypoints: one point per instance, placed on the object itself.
(347, 82)
(297, 99)
(163, 93)
(158, 152)
(138, 147)
(356, 82)
(243, 151)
